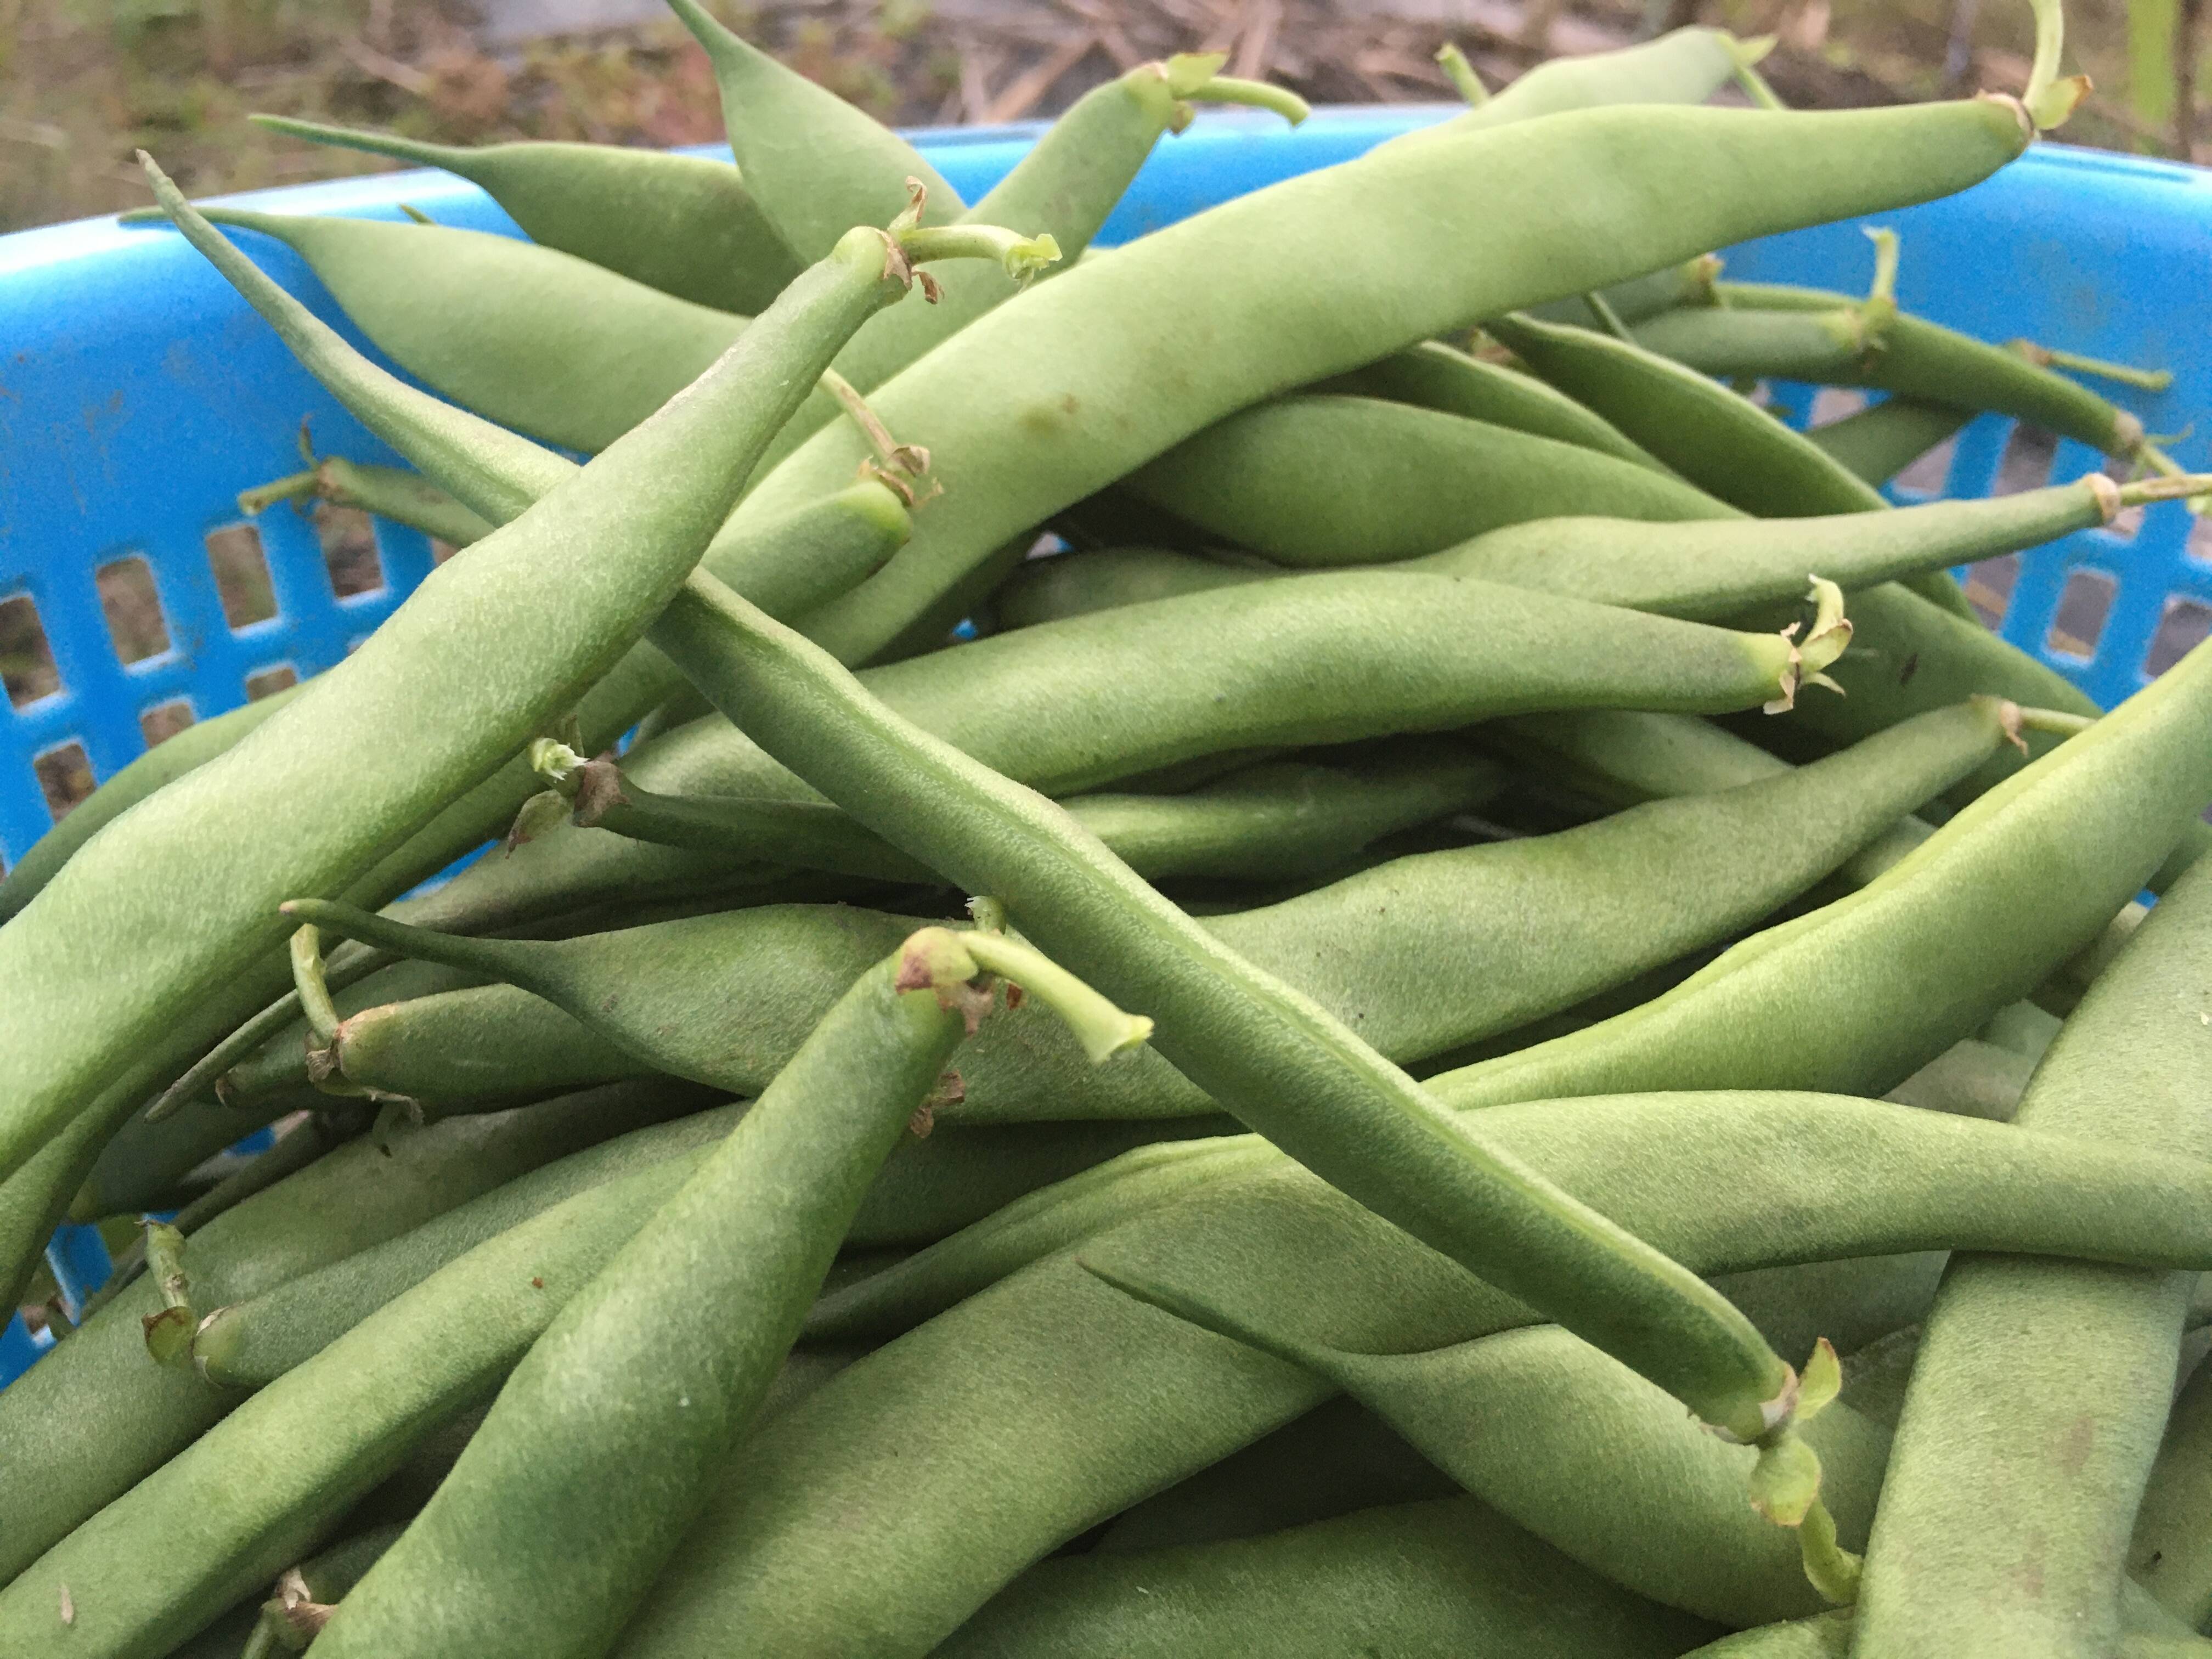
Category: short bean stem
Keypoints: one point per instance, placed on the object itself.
(1104, 1029)
(1461, 73)
(1746, 55)
(2150, 380)
(1193, 76)
(169, 1331)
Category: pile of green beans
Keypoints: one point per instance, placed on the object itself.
(1639, 1129)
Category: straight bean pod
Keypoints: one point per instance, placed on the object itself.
(1878, 443)
(2040, 1392)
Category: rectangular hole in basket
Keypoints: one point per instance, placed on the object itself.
(2083, 604)
(348, 541)
(164, 720)
(266, 681)
(1928, 474)
(2028, 454)
(26, 661)
(1989, 587)
(2181, 630)
(241, 576)
(1836, 403)
(133, 610)
(2200, 539)
(64, 777)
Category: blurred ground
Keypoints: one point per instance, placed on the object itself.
(83, 83)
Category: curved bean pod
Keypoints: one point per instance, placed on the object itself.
(1446, 1579)
(858, 1524)
(1038, 405)
(681, 224)
(2040, 1391)
(529, 337)
(1683, 66)
(1332, 480)
(1860, 994)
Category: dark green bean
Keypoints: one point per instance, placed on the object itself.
(679, 223)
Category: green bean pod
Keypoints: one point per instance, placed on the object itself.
(1410, 953)
(1905, 355)
(1433, 375)
(1272, 822)
(681, 224)
(529, 337)
(1743, 342)
(1108, 578)
(1863, 992)
(649, 1374)
(1333, 480)
(2171, 1551)
(1683, 66)
(389, 492)
(1877, 444)
(813, 164)
(92, 1418)
(858, 1524)
(1536, 1422)
(383, 741)
(1828, 1636)
(2041, 1391)
(1040, 405)
(1970, 1077)
(1446, 1579)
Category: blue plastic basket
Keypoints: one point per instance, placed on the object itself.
(138, 395)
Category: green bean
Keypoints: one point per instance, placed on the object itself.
(1337, 1458)
(529, 337)
(813, 164)
(1031, 1228)
(1536, 1422)
(1333, 480)
(1277, 820)
(640, 1386)
(307, 1594)
(1863, 992)
(1689, 283)
(681, 224)
(2171, 1551)
(92, 1418)
(389, 492)
(1683, 66)
(860, 1524)
(1433, 375)
(380, 742)
(1038, 405)
(1878, 443)
(1446, 1578)
(1871, 344)
(1718, 441)
(1410, 953)
(252, 1341)
(280, 1063)
(2040, 1390)
(1828, 1636)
